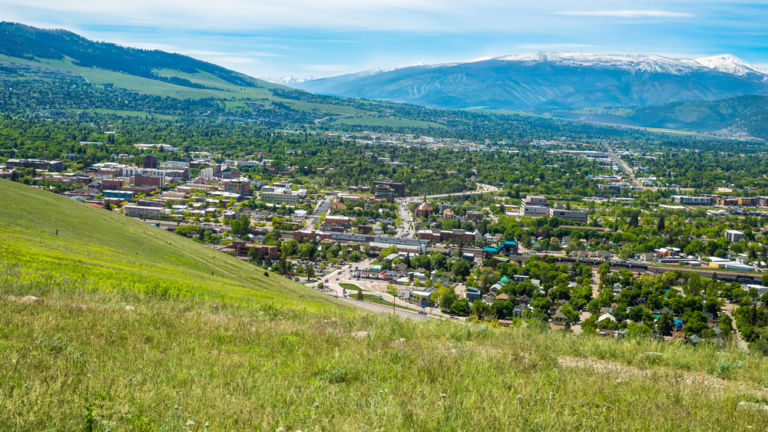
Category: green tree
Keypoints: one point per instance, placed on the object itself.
(480, 309)
(665, 324)
(461, 268)
(460, 307)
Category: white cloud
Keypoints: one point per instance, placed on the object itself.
(554, 46)
(628, 13)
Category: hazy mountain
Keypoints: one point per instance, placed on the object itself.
(554, 81)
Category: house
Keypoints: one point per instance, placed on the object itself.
(606, 316)
(473, 294)
(518, 311)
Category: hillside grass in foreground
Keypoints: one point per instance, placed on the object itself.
(184, 364)
(51, 240)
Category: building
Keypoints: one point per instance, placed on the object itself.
(112, 184)
(282, 195)
(143, 211)
(507, 248)
(569, 215)
(734, 236)
(150, 161)
(38, 164)
(535, 206)
(266, 251)
(150, 181)
(240, 186)
(423, 210)
(117, 194)
(388, 187)
(160, 147)
(455, 235)
(692, 200)
(206, 173)
(474, 215)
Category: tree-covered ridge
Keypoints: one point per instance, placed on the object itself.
(743, 115)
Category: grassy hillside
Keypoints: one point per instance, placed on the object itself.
(43, 70)
(133, 332)
(51, 241)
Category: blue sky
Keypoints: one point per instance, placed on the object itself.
(311, 38)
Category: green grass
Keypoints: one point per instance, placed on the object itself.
(54, 239)
(234, 350)
(352, 288)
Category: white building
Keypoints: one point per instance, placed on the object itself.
(143, 211)
(535, 206)
(734, 236)
(692, 200)
(206, 173)
(282, 195)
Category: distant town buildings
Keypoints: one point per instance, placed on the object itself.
(535, 206)
(38, 164)
(692, 200)
(734, 236)
(282, 195)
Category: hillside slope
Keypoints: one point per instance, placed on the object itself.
(51, 240)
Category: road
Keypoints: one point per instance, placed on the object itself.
(343, 275)
(322, 207)
(381, 309)
(481, 189)
(407, 229)
(624, 167)
(740, 342)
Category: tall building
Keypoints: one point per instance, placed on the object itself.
(240, 186)
(150, 161)
(535, 206)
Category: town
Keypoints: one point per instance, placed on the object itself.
(674, 266)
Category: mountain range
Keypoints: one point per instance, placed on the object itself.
(57, 73)
(545, 82)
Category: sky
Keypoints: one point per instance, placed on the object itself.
(317, 38)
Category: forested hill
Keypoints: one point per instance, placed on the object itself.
(745, 116)
(30, 43)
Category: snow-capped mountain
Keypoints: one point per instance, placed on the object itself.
(545, 81)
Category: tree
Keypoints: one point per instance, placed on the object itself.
(360, 294)
(461, 268)
(570, 314)
(307, 250)
(445, 297)
(480, 309)
(661, 224)
(392, 290)
(665, 324)
(460, 307)
(289, 248)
